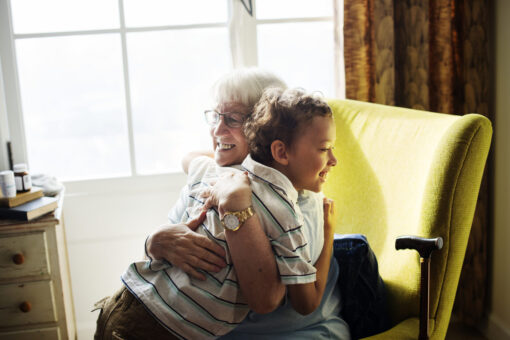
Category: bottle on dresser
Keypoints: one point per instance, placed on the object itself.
(22, 177)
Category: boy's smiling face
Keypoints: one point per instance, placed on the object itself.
(310, 156)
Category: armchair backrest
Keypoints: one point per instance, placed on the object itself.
(409, 172)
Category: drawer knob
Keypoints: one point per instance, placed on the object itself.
(25, 306)
(18, 258)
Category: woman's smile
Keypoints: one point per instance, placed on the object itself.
(225, 146)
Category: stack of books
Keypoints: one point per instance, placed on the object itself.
(27, 206)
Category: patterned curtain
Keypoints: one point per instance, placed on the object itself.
(430, 55)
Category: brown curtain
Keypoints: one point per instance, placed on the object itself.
(431, 55)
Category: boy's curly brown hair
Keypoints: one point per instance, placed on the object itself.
(281, 115)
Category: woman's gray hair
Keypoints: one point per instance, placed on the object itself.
(245, 86)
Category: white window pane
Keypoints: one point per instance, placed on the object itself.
(171, 73)
(74, 107)
(279, 9)
(301, 53)
(37, 16)
(174, 12)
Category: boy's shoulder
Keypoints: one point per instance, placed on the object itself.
(311, 202)
(270, 177)
(307, 195)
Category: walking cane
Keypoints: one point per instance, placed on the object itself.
(425, 247)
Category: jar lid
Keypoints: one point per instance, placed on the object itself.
(6, 176)
(21, 167)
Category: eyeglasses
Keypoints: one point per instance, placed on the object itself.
(231, 119)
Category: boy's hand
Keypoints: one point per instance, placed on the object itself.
(329, 216)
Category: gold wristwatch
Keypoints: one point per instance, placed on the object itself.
(232, 220)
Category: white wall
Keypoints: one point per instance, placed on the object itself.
(4, 134)
(499, 318)
(106, 224)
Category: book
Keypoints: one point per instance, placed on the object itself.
(30, 210)
(21, 197)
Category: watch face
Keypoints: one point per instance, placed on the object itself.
(231, 222)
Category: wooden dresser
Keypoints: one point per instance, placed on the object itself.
(35, 288)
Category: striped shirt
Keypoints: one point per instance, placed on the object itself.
(195, 309)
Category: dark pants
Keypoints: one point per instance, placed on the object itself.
(364, 305)
(123, 317)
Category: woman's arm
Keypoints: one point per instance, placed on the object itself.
(186, 160)
(180, 245)
(255, 266)
(250, 249)
(249, 246)
(305, 298)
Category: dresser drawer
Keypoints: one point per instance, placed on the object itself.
(39, 334)
(36, 296)
(23, 255)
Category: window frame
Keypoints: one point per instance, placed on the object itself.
(246, 26)
(243, 47)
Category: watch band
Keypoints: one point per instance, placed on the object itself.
(233, 220)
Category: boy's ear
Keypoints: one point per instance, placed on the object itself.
(279, 152)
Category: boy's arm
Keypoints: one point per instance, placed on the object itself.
(305, 298)
(186, 160)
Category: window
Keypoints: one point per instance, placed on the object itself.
(295, 38)
(114, 88)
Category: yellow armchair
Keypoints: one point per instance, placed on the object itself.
(409, 172)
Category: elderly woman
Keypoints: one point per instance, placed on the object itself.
(250, 250)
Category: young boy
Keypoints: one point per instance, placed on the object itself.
(291, 135)
(294, 133)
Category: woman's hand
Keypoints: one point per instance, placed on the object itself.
(184, 248)
(231, 192)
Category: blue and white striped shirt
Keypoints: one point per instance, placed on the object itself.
(196, 309)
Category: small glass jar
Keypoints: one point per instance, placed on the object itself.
(22, 177)
(7, 183)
